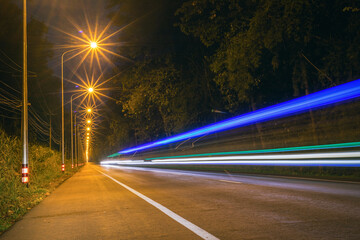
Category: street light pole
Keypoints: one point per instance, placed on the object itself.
(92, 45)
(62, 112)
(50, 134)
(77, 144)
(71, 122)
(25, 162)
(76, 151)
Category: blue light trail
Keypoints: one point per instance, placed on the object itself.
(312, 101)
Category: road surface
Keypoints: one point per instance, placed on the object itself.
(138, 203)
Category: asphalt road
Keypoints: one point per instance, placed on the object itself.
(138, 203)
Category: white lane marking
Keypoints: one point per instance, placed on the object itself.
(192, 227)
(229, 181)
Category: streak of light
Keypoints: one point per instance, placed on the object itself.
(312, 101)
(229, 181)
(297, 163)
(312, 159)
(269, 157)
(289, 149)
(120, 162)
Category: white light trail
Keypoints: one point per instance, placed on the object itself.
(311, 162)
(267, 157)
(341, 159)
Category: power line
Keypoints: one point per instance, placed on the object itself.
(20, 69)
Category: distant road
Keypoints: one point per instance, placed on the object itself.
(141, 203)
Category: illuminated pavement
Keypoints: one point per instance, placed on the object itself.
(137, 203)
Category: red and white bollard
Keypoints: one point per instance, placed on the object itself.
(25, 173)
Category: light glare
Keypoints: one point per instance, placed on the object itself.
(93, 45)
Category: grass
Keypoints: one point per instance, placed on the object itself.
(45, 174)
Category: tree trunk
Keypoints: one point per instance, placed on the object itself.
(258, 125)
(313, 123)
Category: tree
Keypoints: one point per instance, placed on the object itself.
(287, 44)
(168, 87)
(269, 51)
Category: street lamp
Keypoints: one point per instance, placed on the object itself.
(89, 110)
(93, 45)
(62, 109)
(71, 124)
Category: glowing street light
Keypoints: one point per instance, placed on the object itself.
(89, 110)
(88, 129)
(88, 121)
(93, 44)
(90, 89)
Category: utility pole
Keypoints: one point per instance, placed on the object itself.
(25, 162)
(62, 116)
(50, 129)
(50, 134)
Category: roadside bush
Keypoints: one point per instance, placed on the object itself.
(45, 173)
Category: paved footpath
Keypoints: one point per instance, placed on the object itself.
(89, 205)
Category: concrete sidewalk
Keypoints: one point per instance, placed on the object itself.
(91, 206)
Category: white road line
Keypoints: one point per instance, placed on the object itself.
(229, 181)
(192, 227)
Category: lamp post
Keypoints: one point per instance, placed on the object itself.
(90, 90)
(72, 137)
(62, 111)
(92, 45)
(76, 150)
